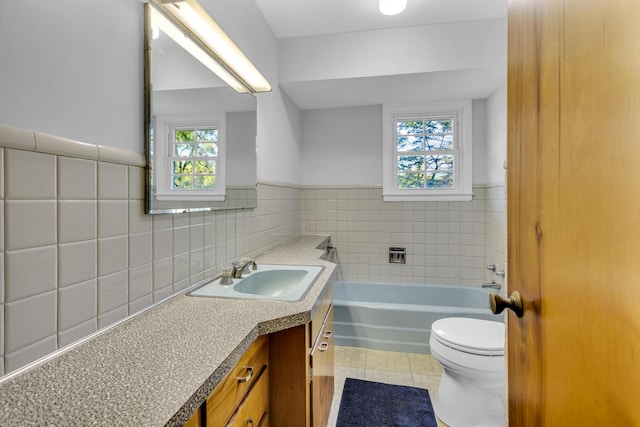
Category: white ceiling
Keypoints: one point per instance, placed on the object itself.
(295, 18)
(312, 19)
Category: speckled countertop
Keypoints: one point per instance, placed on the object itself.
(157, 367)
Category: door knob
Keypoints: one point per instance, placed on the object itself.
(513, 303)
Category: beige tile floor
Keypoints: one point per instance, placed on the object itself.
(417, 370)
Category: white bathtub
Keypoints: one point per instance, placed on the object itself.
(398, 317)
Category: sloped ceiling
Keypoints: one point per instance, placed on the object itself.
(337, 53)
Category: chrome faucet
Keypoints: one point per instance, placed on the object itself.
(492, 284)
(239, 270)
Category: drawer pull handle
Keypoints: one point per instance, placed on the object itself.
(248, 377)
(323, 346)
(250, 422)
(328, 334)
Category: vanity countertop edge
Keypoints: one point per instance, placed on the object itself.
(157, 367)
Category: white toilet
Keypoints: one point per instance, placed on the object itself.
(473, 382)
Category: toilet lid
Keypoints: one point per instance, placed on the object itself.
(474, 336)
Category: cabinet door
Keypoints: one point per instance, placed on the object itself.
(322, 369)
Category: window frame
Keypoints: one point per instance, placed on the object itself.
(163, 163)
(462, 150)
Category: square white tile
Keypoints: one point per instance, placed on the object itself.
(162, 222)
(181, 267)
(28, 354)
(30, 272)
(112, 316)
(77, 220)
(77, 332)
(30, 320)
(136, 183)
(181, 240)
(162, 243)
(77, 179)
(30, 224)
(113, 218)
(163, 293)
(77, 304)
(77, 262)
(138, 221)
(140, 249)
(140, 304)
(30, 175)
(196, 236)
(196, 262)
(2, 151)
(112, 181)
(1, 338)
(113, 255)
(162, 273)
(113, 291)
(140, 282)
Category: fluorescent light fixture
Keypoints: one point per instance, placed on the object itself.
(392, 7)
(193, 23)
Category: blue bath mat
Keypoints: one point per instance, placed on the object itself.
(373, 404)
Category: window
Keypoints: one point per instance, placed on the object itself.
(192, 162)
(427, 152)
(193, 158)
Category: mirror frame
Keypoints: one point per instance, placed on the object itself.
(237, 197)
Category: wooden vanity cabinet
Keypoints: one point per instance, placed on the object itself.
(301, 370)
(284, 379)
(242, 398)
(194, 421)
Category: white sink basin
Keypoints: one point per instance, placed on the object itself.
(269, 281)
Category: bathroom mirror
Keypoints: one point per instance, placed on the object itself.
(189, 111)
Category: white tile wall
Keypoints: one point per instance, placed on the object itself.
(78, 253)
(444, 241)
(495, 231)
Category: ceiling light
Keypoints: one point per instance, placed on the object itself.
(193, 20)
(392, 7)
(160, 22)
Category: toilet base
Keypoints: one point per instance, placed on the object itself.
(461, 403)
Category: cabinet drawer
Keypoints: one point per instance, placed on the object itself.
(222, 402)
(253, 411)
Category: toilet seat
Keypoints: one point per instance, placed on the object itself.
(474, 336)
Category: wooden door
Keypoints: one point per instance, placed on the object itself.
(573, 191)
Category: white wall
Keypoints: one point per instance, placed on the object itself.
(479, 129)
(73, 68)
(279, 134)
(241, 149)
(496, 134)
(279, 138)
(343, 146)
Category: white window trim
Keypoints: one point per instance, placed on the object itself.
(162, 166)
(463, 179)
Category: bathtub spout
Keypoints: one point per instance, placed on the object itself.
(492, 284)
